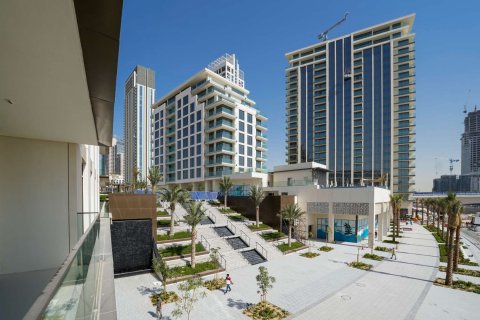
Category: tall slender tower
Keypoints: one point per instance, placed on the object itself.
(351, 106)
(139, 97)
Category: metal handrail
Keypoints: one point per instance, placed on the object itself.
(207, 244)
(243, 233)
(233, 227)
(263, 249)
(222, 258)
(212, 217)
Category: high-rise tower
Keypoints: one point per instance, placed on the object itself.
(351, 106)
(139, 97)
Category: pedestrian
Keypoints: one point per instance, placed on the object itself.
(394, 254)
(229, 282)
(159, 308)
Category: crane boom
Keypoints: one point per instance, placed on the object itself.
(323, 36)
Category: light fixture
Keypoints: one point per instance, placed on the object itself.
(9, 100)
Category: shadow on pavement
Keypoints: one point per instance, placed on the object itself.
(237, 303)
(146, 290)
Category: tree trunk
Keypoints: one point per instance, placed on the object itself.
(438, 221)
(394, 222)
(289, 234)
(443, 226)
(422, 213)
(456, 253)
(398, 222)
(194, 238)
(257, 215)
(448, 236)
(225, 200)
(448, 277)
(172, 222)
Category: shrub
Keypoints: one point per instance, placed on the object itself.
(176, 236)
(360, 265)
(237, 218)
(103, 197)
(166, 296)
(438, 237)
(215, 284)
(162, 213)
(180, 250)
(188, 270)
(310, 255)
(372, 257)
(261, 226)
(285, 248)
(384, 249)
(466, 272)
(273, 235)
(325, 248)
(461, 285)
(390, 241)
(226, 210)
(265, 310)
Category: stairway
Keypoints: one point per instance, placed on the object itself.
(206, 221)
(223, 231)
(253, 256)
(237, 243)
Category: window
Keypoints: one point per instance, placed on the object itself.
(185, 174)
(199, 115)
(199, 172)
(250, 140)
(199, 161)
(185, 100)
(179, 144)
(199, 137)
(192, 151)
(242, 137)
(192, 139)
(241, 149)
(249, 162)
(179, 164)
(185, 163)
(199, 149)
(241, 126)
(199, 126)
(192, 107)
(185, 142)
(250, 129)
(185, 132)
(185, 153)
(249, 118)
(192, 117)
(241, 161)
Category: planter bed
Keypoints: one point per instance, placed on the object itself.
(261, 226)
(186, 272)
(237, 217)
(360, 265)
(188, 255)
(273, 236)
(167, 297)
(372, 257)
(310, 255)
(325, 249)
(164, 223)
(390, 241)
(180, 250)
(442, 248)
(465, 272)
(226, 210)
(296, 246)
(215, 284)
(177, 236)
(383, 249)
(162, 213)
(460, 285)
(265, 310)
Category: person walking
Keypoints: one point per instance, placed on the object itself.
(229, 282)
(394, 254)
(159, 308)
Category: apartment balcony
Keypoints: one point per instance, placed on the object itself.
(222, 112)
(261, 146)
(221, 124)
(221, 137)
(220, 173)
(260, 117)
(259, 125)
(261, 137)
(199, 88)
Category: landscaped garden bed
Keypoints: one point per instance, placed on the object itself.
(166, 296)
(360, 265)
(325, 248)
(201, 269)
(273, 236)
(162, 213)
(460, 285)
(261, 226)
(372, 257)
(215, 284)
(226, 210)
(465, 272)
(177, 236)
(265, 310)
(295, 246)
(238, 217)
(310, 255)
(384, 249)
(213, 203)
(462, 260)
(390, 241)
(179, 251)
(164, 223)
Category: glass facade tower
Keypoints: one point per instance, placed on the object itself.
(350, 105)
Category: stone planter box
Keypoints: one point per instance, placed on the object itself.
(200, 253)
(201, 274)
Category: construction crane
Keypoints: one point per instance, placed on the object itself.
(466, 102)
(451, 164)
(324, 35)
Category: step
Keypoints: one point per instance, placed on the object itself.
(237, 243)
(223, 231)
(253, 256)
(206, 221)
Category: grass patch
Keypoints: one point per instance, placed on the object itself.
(176, 236)
(103, 197)
(360, 265)
(391, 235)
(390, 241)
(310, 255)
(213, 203)
(294, 245)
(215, 284)
(325, 248)
(430, 228)
(384, 249)
(461, 285)
(237, 218)
(462, 260)
(166, 296)
(162, 213)
(164, 223)
(372, 257)
(271, 236)
(265, 310)
(261, 226)
(438, 237)
(180, 250)
(226, 210)
(181, 271)
(465, 272)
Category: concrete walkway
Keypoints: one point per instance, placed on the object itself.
(326, 288)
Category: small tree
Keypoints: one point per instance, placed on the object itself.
(264, 282)
(154, 176)
(395, 203)
(195, 215)
(175, 196)
(225, 186)
(142, 185)
(161, 269)
(291, 213)
(190, 293)
(257, 196)
(136, 175)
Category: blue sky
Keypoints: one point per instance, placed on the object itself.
(179, 38)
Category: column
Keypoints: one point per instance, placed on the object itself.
(371, 225)
(380, 226)
(331, 222)
(386, 221)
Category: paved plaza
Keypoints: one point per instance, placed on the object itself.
(326, 288)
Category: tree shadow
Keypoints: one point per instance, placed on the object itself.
(237, 303)
(147, 290)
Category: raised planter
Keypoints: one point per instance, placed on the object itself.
(174, 240)
(200, 274)
(188, 255)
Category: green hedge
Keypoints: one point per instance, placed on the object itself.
(226, 210)
(272, 235)
(237, 218)
(188, 270)
(295, 245)
(180, 250)
(164, 223)
(162, 213)
(261, 226)
(176, 236)
(103, 197)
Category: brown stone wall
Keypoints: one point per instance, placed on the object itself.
(269, 208)
(128, 206)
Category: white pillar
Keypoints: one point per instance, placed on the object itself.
(331, 229)
(371, 225)
(381, 228)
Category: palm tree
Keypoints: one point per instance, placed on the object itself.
(135, 173)
(175, 196)
(422, 202)
(195, 215)
(449, 200)
(395, 203)
(291, 213)
(225, 186)
(154, 176)
(427, 205)
(257, 196)
(455, 208)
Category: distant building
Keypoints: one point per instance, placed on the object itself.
(471, 143)
(446, 183)
(139, 97)
(207, 128)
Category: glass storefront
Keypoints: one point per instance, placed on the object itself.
(344, 229)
